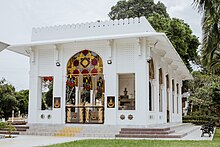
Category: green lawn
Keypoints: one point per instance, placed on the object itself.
(142, 143)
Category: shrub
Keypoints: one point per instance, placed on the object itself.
(3, 125)
(200, 120)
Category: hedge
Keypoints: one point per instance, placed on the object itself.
(200, 120)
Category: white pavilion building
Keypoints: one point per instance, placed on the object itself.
(118, 72)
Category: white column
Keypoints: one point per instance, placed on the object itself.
(34, 104)
(58, 115)
(165, 97)
(180, 101)
(140, 83)
(164, 102)
(147, 56)
(91, 97)
(175, 101)
(157, 89)
(76, 96)
(111, 82)
(171, 98)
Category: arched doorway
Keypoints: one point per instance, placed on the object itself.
(85, 88)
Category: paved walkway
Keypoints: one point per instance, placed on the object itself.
(30, 141)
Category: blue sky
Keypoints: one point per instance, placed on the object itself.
(17, 18)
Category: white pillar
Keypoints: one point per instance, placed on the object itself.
(164, 102)
(171, 98)
(147, 55)
(180, 101)
(175, 101)
(91, 97)
(76, 96)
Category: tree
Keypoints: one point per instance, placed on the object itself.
(210, 33)
(137, 8)
(8, 101)
(22, 98)
(205, 94)
(177, 31)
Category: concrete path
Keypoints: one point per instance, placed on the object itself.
(30, 141)
(196, 135)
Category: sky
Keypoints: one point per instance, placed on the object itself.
(17, 17)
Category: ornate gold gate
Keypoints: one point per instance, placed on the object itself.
(85, 88)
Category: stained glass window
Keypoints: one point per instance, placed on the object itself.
(86, 63)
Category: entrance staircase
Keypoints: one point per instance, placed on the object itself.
(19, 126)
(99, 131)
(43, 130)
(178, 131)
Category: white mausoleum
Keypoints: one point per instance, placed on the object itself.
(118, 72)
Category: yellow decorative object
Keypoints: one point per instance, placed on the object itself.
(87, 115)
(100, 114)
(68, 132)
(81, 115)
(111, 103)
(68, 115)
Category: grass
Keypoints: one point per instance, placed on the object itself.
(141, 143)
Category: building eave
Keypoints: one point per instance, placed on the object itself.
(167, 46)
(3, 46)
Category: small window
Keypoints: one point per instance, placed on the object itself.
(46, 93)
(126, 92)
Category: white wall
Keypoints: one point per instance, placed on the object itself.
(127, 55)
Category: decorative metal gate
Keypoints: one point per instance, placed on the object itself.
(85, 88)
(85, 114)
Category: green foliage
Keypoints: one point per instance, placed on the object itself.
(205, 95)
(200, 120)
(136, 8)
(8, 101)
(10, 129)
(177, 30)
(22, 97)
(180, 35)
(11, 100)
(211, 34)
(3, 125)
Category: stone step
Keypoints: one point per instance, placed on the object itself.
(178, 131)
(17, 129)
(147, 132)
(37, 133)
(150, 135)
(145, 129)
(97, 135)
(18, 122)
(45, 129)
(6, 132)
(99, 132)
